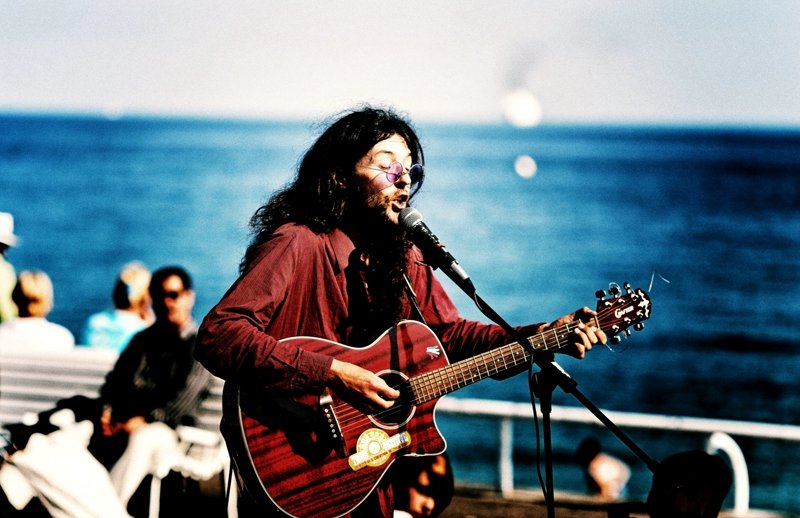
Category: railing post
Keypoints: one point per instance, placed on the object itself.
(505, 464)
(741, 480)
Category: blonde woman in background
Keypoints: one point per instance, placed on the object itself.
(33, 295)
(132, 312)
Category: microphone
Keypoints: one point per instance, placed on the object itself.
(433, 249)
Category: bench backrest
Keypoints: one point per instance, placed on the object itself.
(33, 381)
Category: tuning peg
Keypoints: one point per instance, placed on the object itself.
(627, 332)
(639, 326)
(600, 294)
(613, 288)
(615, 340)
(627, 287)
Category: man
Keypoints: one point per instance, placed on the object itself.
(329, 260)
(155, 384)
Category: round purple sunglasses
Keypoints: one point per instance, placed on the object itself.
(396, 170)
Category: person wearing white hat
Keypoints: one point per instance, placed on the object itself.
(8, 276)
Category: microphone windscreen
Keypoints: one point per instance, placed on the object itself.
(409, 218)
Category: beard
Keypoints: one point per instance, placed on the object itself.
(386, 245)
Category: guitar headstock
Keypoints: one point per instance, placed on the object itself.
(617, 312)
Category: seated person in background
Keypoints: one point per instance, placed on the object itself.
(33, 296)
(114, 327)
(606, 475)
(422, 486)
(154, 386)
(8, 276)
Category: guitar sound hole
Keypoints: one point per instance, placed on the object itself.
(403, 406)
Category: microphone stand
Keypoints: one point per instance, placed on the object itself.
(542, 384)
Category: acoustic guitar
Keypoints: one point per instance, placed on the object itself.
(316, 456)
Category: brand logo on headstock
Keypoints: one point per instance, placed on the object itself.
(619, 312)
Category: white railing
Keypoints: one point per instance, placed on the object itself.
(719, 431)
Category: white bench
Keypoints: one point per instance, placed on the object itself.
(33, 381)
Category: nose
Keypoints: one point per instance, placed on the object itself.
(428, 505)
(403, 181)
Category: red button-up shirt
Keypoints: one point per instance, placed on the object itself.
(298, 286)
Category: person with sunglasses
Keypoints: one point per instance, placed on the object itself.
(329, 260)
(154, 386)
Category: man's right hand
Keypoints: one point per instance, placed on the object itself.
(361, 388)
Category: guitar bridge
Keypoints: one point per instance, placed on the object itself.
(330, 425)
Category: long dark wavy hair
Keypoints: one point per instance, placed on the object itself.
(317, 196)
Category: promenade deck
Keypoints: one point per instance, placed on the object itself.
(470, 503)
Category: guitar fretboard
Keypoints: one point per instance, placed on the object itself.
(438, 382)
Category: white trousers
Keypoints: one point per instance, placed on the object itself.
(151, 450)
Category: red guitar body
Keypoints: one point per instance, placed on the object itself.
(286, 449)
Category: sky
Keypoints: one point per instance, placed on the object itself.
(671, 61)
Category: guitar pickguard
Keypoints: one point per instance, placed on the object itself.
(375, 447)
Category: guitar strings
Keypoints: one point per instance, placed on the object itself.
(350, 417)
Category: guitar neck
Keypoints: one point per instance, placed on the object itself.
(438, 382)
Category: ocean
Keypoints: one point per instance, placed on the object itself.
(706, 219)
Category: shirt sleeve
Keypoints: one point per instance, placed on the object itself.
(118, 392)
(233, 341)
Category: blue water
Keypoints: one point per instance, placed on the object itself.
(706, 219)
